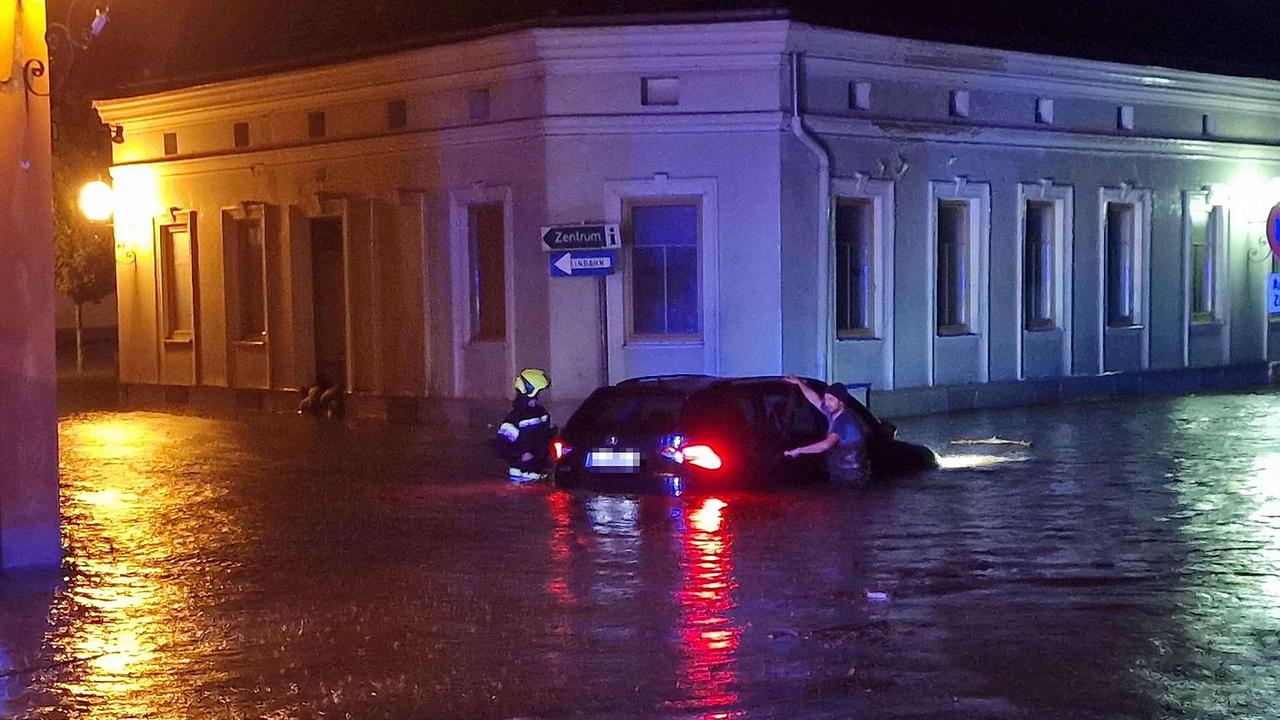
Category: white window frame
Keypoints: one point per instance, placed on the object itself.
(232, 218)
(978, 196)
(167, 338)
(184, 225)
(460, 266)
(879, 195)
(616, 195)
(1140, 199)
(1062, 198)
(1218, 222)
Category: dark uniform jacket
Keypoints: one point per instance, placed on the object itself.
(526, 429)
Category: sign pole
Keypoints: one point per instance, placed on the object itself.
(603, 300)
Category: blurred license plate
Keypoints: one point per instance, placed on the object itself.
(607, 460)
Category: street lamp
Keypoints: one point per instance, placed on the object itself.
(97, 202)
(98, 205)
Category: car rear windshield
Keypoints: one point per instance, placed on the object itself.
(620, 410)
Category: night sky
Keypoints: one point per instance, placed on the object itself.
(153, 45)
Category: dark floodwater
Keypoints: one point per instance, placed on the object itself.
(1127, 564)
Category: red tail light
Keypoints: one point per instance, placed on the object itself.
(702, 456)
(559, 450)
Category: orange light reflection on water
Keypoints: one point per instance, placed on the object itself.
(121, 630)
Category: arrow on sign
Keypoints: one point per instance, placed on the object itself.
(582, 262)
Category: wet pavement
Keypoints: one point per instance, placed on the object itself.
(1126, 564)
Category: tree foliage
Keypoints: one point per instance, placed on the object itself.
(84, 255)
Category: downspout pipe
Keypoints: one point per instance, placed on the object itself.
(823, 245)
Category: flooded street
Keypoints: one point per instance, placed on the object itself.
(1126, 564)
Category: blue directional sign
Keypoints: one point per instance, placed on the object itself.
(581, 263)
(1273, 293)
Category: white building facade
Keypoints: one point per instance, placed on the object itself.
(956, 225)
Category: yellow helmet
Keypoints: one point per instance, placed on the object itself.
(532, 381)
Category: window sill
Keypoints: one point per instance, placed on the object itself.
(1124, 328)
(858, 338)
(1206, 327)
(487, 342)
(1049, 328)
(180, 340)
(257, 343)
(955, 332)
(660, 342)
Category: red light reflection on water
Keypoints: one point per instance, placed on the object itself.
(708, 636)
(560, 505)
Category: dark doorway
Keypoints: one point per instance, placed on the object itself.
(329, 301)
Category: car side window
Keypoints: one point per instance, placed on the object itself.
(711, 411)
(808, 423)
(779, 406)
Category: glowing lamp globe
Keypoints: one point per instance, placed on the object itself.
(96, 202)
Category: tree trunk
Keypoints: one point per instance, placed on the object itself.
(79, 339)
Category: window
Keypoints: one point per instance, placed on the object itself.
(663, 270)
(251, 279)
(397, 114)
(1124, 117)
(1044, 111)
(177, 282)
(660, 91)
(855, 269)
(953, 279)
(1207, 227)
(859, 96)
(1122, 261)
(171, 143)
(1038, 265)
(240, 133)
(316, 124)
(487, 240)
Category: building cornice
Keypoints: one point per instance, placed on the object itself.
(526, 53)
(732, 46)
(892, 58)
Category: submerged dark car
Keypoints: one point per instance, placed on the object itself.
(694, 431)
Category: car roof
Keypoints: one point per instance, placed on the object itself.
(678, 383)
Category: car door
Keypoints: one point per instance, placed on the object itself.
(808, 425)
(790, 421)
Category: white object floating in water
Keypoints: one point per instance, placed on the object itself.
(876, 596)
(993, 441)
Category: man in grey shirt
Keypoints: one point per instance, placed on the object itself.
(844, 444)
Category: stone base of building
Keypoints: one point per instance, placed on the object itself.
(905, 402)
(225, 402)
(1182, 381)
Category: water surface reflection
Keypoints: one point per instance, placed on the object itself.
(1127, 564)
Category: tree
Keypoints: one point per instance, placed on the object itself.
(84, 254)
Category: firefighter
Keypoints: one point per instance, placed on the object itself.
(524, 437)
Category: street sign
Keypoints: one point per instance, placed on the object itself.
(1273, 293)
(604, 236)
(1273, 230)
(582, 263)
